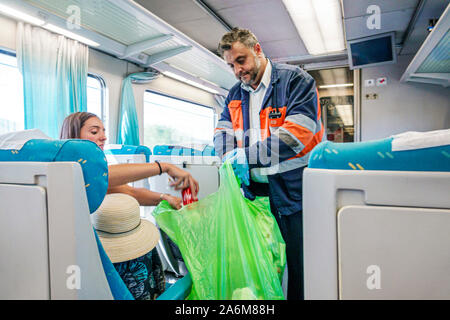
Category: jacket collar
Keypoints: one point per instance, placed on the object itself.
(245, 96)
(273, 79)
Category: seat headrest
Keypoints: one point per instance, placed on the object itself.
(90, 157)
(127, 149)
(173, 150)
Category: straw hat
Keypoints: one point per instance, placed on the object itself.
(122, 232)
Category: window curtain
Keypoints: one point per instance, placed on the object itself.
(54, 71)
(128, 125)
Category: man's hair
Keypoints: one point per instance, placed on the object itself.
(244, 36)
(72, 124)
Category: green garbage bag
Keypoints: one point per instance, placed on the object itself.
(232, 246)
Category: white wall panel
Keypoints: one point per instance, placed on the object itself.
(7, 33)
(401, 107)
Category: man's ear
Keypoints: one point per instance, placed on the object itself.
(258, 49)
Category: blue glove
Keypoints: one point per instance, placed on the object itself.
(238, 161)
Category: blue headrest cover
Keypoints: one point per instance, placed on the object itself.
(378, 155)
(86, 153)
(127, 149)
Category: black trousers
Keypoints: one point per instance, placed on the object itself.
(291, 227)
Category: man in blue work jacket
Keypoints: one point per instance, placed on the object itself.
(270, 123)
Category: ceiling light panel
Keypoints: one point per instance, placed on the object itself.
(336, 85)
(319, 24)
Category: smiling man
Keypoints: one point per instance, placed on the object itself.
(270, 122)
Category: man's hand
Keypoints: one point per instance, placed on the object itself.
(238, 161)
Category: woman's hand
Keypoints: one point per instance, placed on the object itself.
(175, 202)
(183, 179)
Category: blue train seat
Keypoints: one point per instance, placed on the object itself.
(48, 188)
(376, 216)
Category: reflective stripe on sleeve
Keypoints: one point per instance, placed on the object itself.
(224, 124)
(302, 120)
(290, 139)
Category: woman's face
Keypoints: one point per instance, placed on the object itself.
(94, 131)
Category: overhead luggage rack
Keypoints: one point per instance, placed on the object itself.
(142, 37)
(431, 64)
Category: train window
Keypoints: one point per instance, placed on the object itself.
(173, 121)
(95, 95)
(336, 93)
(11, 90)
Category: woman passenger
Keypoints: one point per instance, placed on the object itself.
(85, 125)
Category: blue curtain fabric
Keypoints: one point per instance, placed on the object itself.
(128, 125)
(54, 70)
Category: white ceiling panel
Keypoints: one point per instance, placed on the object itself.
(189, 18)
(283, 48)
(174, 10)
(356, 8)
(269, 21)
(203, 31)
(391, 21)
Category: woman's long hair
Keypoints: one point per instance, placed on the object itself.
(72, 124)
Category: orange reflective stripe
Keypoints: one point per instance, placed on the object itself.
(235, 109)
(264, 123)
(301, 133)
(317, 138)
(314, 142)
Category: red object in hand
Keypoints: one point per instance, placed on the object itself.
(187, 196)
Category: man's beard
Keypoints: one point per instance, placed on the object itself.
(253, 73)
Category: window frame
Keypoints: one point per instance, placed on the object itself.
(102, 95)
(214, 119)
(177, 98)
(8, 52)
(12, 53)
